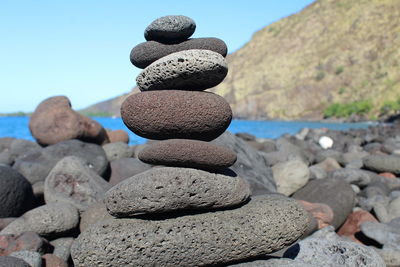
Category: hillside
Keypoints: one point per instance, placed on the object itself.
(333, 51)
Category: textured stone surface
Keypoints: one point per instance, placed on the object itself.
(275, 263)
(26, 241)
(168, 189)
(188, 153)
(71, 181)
(192, 70)
(124, 168)
(94, 214)
(335, 193)
(8, 261)
(51, 220)
(176, 114)
(170, 29)
(146, 53)
(382, 163)
(36, 166)
(290, 176)
(51, 260)
(263, 225)
(33, 258)
(54, 121)
(16, 195)
(117, 150)
(62, 247)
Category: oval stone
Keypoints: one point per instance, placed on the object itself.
(170, 29)
(170, 189)
(178, 114)
(146, 53)
(193, 70)
(264, 225)
(188, 153)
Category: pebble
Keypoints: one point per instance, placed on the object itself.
(387, 234)
(94, 214)
(146, 53)
(33, 258)
(117, 150)
(290, 176)
(352, 224)
(321, 212)
(176, 114)
(124, 168)
(188, 153)
(263, 225)
(170, 189)
(118, 136)
(8, 261)
(51, 260)
(62, 247)
(170, 29)
(382, 163)
(26, 241)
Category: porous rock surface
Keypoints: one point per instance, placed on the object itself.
(170, 29)
(146, 53)
(179, 114)
(187, 153)
(168, 189)
(193, 70)
(263, 225)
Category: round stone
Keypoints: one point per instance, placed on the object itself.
(193, 70)
(188, 153)
(176, 114)
(264, 225)
(170, 29)
(169, 189)
(146, 53)
(8, 261)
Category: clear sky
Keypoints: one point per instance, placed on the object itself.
(80, 48)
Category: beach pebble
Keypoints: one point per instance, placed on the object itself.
(94, 214)
(328, 164)
(188, 153)
(170, 189)
(263, 225)
(51, 260)
(146, 53)
(335, 193)
(118, 136)
(382, 163)
(54, 121)
(193, 70)
(26, 241)
(169, 29)
(351, 226)
(62, 247)
(16, 195)
(117, 150)
(325, 142)
(290, 176)
(71, 181)
(321, 212)
(387, 234)
(50, 221)
(9, 261)
(33, 258)
(124, 168)
(176, 114)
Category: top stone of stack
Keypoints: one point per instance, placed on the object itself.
(170, 29)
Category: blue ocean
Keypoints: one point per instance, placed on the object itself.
(18, 127)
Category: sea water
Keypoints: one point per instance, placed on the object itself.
(18, 127)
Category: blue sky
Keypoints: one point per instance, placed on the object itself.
(81, 48)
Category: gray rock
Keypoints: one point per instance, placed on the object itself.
(51, 220)
(274, 263)
(250, 164)
(317, 172)
(16, 195)
(376, 188)
(336, 193)
(62, 247)
(390, 256)
(124, 168)
(34, 259)
(382, 163)
(5, 143)
(9, 261)
(263, 225)
(194, 70)
(329, 164)
(169, 29)
(117, 150)
(146, 53)
(387, 234)
(290, 176)
(394, 208)
(94, 214)
(21, 147)
(169, 189)
(5, 158)
(35, 166)
(72, 181)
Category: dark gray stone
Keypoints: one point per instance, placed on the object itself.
(124, 168)
(94, 214)
(16, 195)
(35, 166)
(193, 70)
(376, 188)
(170, 29)
(9, 261)
(170, 189)
(263, 225)
(382, 163)
(72, 181)
(146, 53)
(335, 193)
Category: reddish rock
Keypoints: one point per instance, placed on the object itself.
(321, 212)
(179, 114)
(188, 153)
(118, 136)
(387, 175)
(352, 224)
(51, 260)
(54, 121)
(26, 241)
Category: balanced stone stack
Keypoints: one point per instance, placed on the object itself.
(195, 211)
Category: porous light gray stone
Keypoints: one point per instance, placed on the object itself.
(9, 261)
(51, 220)
(170, 29)
(33, 258)
(274, 263)
(169, 189)
(290, 176)
(178, 114)
(94, 214)
(193, 70)
(382, 163)
(265, 224)
(71, 181)
(146, 53)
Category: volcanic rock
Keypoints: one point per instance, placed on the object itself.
(170, 29)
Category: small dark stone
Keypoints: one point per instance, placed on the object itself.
(170, 29)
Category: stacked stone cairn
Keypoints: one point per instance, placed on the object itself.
(193, 211)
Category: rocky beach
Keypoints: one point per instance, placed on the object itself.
(194, 194)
